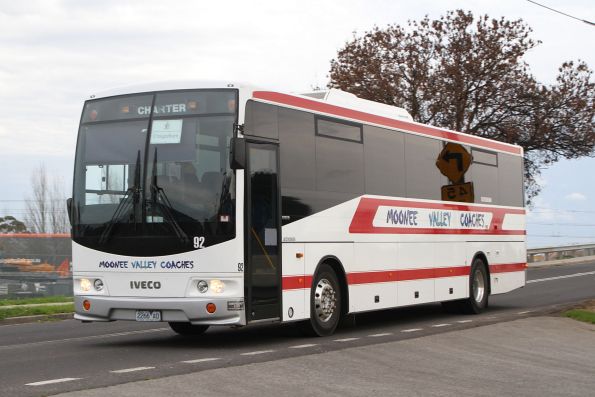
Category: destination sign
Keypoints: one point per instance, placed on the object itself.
(412, 218)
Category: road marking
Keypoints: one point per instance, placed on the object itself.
(440, 325)
(200, 360)
(540, 280)
(345, 340)
(52, 381)
(412, 330)
(464, 321)
(80, 338)
(257, 352)
(123, 371)
(303, 346)
(378, 335)
(525, 312)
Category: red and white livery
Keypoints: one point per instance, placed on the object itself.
(220, 204)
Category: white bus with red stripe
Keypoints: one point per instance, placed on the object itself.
(205, 204)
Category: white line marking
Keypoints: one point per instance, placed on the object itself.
(464, 321)
(123, 371)
(80, 338)
(412, 330)
(201, 360)
(440, 325)
(378, 335)
(303, 346)
(257, 352)
(52, 381)
(525, 312)
(540, 280)
(345, 340)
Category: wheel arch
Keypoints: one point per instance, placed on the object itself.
(339, 270)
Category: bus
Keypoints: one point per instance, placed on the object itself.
(208, 204)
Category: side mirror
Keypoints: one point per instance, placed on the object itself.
(69, 209)
(237, 153)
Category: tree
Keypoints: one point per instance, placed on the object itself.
(9, 224)
(468, 75)
(46, 208)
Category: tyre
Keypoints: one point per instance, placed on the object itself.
(188, 329)
(325, 303)
(477, 301)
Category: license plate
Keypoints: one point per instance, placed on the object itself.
(148, 315)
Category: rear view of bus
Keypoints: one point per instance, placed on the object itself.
(153, 210)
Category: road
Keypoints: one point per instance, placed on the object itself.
(47, 358)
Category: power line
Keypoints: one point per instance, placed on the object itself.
(562, 13)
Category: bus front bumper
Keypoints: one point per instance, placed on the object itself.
(229, 311)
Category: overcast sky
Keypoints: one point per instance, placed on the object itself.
(53, 54)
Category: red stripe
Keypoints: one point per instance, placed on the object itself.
(296, 282)
(35, 235)
(385, 276)
(371, 118)
(508, 267)
(363, 218)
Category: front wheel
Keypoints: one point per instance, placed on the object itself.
(325, 303)
(188, 329)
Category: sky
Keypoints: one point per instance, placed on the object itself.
(54, 54)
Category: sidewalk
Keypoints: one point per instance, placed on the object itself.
(539, 356)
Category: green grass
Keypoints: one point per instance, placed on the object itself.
(587, 316)
(29, 301)
(35, 311)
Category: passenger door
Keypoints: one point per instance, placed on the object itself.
(263, 232)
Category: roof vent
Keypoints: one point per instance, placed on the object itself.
(350, 101)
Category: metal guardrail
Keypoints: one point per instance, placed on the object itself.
(545, 254)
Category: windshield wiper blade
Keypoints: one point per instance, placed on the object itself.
(158, 192)
(132, 194)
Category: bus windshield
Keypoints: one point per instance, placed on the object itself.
(152, 172)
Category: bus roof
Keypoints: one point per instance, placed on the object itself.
(338, 104)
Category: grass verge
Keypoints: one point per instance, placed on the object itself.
(35, 311)
(586, 316)
(29, 301)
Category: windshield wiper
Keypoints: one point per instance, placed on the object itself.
(132, 195)
(158, 192)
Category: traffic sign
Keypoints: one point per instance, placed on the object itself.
(461, 192)
(453, 161)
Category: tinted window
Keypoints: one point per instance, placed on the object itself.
(485, 182)
(510, 180)
(338, 129)
(298, 161)
(261, 120)
(339, 165)
(422, 177)
(385, 161)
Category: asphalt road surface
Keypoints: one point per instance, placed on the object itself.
(47, 358)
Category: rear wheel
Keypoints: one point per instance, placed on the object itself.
(188, 328)
(325, 303)
(477, 301)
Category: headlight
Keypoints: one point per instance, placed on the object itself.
(217, 286)
(85, 285)
(98, 284)
(202, 286)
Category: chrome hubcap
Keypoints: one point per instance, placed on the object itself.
(478, 285)
(325, 301)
